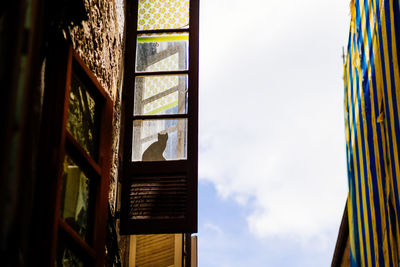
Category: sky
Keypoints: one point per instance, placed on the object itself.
(272, 167)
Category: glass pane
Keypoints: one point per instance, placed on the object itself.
(159, 140)
(83, 116)
(157, 95)
(75, 198)
(162, 52)
(166, 14)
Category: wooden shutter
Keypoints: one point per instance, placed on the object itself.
(160, 196)
(156, 250)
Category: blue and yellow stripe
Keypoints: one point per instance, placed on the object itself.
(372, 106)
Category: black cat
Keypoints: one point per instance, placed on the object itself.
(155, 151)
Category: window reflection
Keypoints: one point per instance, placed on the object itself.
(83, 116)
(75, 198)
(162, 52)
(161, 95)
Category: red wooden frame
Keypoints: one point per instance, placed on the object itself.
(55, 140)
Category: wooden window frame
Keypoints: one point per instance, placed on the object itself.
(55, 142)
(187, 167)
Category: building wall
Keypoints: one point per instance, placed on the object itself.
(95, 28)
(346, 255)
(99, 42)
(341, 255)
(26, 27)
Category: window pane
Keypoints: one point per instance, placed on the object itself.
(166, 14)
(75, 198)
(157, 95)
(162, 52)
(159, 140)
(83, 116)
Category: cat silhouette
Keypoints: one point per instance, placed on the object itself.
(155, 151)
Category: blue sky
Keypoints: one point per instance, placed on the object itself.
(224, 239)
(272, 165)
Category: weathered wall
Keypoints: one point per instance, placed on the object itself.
(28, 26)
(99, 42)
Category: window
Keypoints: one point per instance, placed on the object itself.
(159, 193)
(74, 165)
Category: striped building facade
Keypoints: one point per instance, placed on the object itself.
(372, 112)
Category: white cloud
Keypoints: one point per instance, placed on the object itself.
(213, 228)
(271, 117)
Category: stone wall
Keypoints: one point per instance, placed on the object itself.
(99, 42)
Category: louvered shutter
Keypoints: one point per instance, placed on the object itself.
(156, 250)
